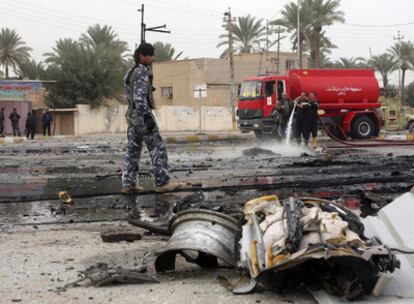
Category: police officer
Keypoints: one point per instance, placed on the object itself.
(31, 125)
(2, 122)
(14, 118)
(47, 119)
(142, 126)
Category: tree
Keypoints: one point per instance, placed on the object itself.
(289, 21)
(350, 63)
(1, 74)
(314, 16)
(89, 70)
(31, 69)
(403, 52)
(385, 64)
(323, 13)
(248, 34)
(13, 50)
(165, 52)
(409, 99)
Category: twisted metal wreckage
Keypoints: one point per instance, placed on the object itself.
(281, 245)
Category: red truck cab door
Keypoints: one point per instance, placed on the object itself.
(269, 101)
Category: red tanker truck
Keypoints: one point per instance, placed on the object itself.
(348, 98)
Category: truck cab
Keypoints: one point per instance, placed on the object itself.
(258, 97)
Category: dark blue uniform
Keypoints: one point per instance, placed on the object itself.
(142, 127)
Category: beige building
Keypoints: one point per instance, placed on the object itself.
(180, 84)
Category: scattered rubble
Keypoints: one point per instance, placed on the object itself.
(115, 237)
(256, 151)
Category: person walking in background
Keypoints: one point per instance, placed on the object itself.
(47, 119)
(314, 107)
(14, 118)
(2, 122)
(31, 125)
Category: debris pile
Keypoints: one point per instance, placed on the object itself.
(311, 242)
(283, 245)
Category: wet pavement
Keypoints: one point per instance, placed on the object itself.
(225, 173)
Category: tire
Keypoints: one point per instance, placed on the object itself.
(411, 127)
(362, 127)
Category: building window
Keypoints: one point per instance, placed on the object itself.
(166, 92)
(290, 64)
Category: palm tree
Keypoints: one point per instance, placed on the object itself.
(323, 13)
(248, 34)
(289, 21)
(102, 35)
(64, 48)
(314, 15)
(165, 52)
(31, 69)
(384, 64)
(350, 63)
(403, 52)
(12, 50)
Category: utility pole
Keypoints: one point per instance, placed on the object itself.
(267, 47)
(279, 31)
(144, 28)
(228, 22)
(298, 36)
(399, 38)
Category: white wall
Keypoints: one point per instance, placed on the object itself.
(184, 118)
(101, 120)
(169, 118)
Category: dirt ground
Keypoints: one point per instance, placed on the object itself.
(35, 263)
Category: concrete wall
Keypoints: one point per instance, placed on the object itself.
(183, 118)
(101, 120)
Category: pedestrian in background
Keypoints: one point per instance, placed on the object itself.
(31, 125)
(142, 126)
(2, 118)
(14, 118)
(47, 119)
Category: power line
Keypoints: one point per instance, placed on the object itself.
(384, 25)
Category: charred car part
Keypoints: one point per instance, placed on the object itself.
(209, 234)
(309, 241)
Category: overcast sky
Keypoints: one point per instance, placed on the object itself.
(196, 24)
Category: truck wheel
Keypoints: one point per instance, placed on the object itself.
(411, 127)
(362, 128)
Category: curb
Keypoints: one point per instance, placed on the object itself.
(12, 140)
(205, 138)
(23, 139)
